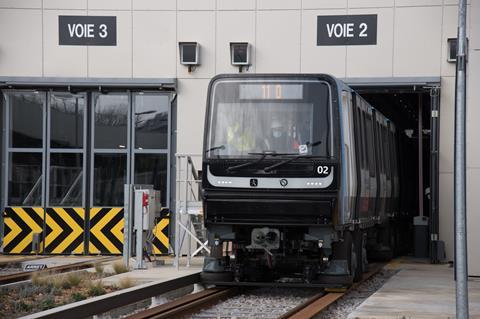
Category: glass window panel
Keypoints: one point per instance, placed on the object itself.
(151, 169)
(66, 179)
(25, 179)
(151, 121)
(111, 119)
(26, 119)
(110, 171)
(66, 120)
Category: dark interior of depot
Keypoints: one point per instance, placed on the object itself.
(404, 107)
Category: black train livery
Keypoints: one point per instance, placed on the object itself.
(299, 180)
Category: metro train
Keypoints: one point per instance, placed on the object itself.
(300, 180)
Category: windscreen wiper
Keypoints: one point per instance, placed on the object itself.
(219, 147)
(263, 154)
(269, 168)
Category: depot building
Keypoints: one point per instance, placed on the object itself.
(95, 94)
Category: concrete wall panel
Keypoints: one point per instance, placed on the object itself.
(228, 30)
(446, 213)
(113, 61)
(278, 4)
(455, 2)
(370, 3)
(154, 57)
(278, 41)
(324, 4)
(473, 220)
(65, 4)
(110, 4)
(196, 4)
(195, 26)
(417, 46)
(62, 60)
(410, 3)
(36, 4)
(192, 97)
(474, 25)
(321, 59)
(449, 30)
(360, 59)
(473, 109)
(236, 5)
(21, 42)
(447, 122)
(154, 5)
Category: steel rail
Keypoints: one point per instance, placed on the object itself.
(25, 275)
(117, 299)
(321, 301)
(185, 305)
(20, 259)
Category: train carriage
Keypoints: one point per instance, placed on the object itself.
(299, 176)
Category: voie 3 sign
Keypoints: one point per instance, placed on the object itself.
(347, 30)
(87, 30)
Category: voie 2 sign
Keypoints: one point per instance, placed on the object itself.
(87, 30)
(347, 29)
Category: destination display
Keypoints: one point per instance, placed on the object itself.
(347, 30)
(271, 91)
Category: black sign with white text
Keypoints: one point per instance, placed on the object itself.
(87, 30)
(347, 29)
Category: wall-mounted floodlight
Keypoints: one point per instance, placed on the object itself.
(452, 50)
(189, 54)
(240, 54)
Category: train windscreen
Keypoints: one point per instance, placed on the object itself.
(248, 117)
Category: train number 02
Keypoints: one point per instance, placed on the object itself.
(323, 170)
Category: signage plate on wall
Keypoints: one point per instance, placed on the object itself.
(87, 30)
(347, 29)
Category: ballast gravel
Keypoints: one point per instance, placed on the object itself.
(352, 299)
(269, 303)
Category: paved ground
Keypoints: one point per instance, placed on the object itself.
(153, 273)
(418, 291)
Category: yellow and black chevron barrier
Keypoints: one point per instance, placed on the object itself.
(64, 230)
(21, 223)
(160, 240)
(106, 230)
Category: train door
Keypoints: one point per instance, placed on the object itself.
(349, 156)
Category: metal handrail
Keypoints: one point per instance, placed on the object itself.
(187, 181)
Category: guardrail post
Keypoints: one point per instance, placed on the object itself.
(127, 213)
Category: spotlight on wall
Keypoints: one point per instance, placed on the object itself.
(189, 54)
(240, 54)
(452, 50)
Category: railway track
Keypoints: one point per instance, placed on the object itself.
(303, 303)
(187, 305)
(322, 301)
(25, 275)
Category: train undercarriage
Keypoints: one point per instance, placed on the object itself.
(292, 255)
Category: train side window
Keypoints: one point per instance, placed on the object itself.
(393, 150)
(381, 147)
(387, 153)
(359, 134)
(370, 145)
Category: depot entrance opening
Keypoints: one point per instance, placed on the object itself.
(414, 110)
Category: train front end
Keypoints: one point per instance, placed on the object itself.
(270, 178)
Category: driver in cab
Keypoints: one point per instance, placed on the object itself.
(281, 138)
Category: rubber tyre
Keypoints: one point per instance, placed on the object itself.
(225, 276)
(358, 243)
(345, 250)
